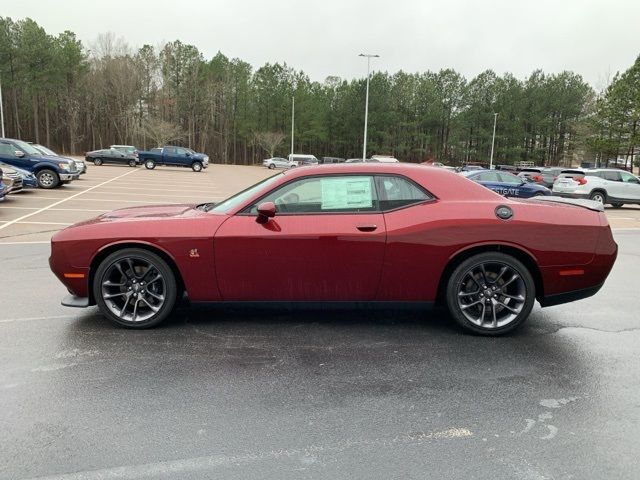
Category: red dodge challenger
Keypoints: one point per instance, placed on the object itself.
(344, 233)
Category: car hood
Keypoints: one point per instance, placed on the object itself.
(152, 212)
(56, 159)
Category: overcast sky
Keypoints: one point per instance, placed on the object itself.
(594, 38)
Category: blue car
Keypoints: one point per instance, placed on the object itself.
(29, 180)
(507, 184)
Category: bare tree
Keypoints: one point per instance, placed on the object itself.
(161, 132)
(270, 140)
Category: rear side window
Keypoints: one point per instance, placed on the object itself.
(397, 192)
(487, 177)
(611, 176)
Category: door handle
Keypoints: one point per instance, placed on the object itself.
(367, 228)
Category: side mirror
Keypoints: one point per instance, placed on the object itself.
(19, 153)
(188, 154)
(266, 211)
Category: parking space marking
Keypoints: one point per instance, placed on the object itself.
(64, 200)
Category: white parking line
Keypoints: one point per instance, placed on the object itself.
(63, 200)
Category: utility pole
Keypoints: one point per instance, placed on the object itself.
(366, 103)
(493, 139)
(293, 116)
(1, 110)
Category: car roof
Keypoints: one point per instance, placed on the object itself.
(440, 182)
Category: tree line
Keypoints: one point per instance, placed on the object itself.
(75, 98)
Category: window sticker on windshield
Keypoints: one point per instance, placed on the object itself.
(346, 192)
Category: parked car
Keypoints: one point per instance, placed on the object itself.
(302, 159)
(4, 189)
(550, 175)
(603, 185)
(324, 160)
(111, 156)
(347, 233)
(80, 165)
(278, 162)
(359, 160)
(471, 168)
(128, 149)
(385, 158)
(506, 183)
(50, 171)
(29, 180)
(11, 177)
(532, 174)
(174, 156)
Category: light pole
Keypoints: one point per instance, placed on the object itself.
(366, 103)
(493, 139)
(1, 110)
(293, 116)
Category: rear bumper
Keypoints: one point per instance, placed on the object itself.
(567, 297)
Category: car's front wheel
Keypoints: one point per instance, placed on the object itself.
(47, 179)
(196, 166)
(135, 288)
(150, 164)
(271, 166)
(490, 293)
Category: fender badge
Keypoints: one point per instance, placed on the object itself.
(193, 253)
(503, 212)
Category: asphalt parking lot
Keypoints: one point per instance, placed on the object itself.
(246, 393)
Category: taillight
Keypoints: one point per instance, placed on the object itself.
(536, 178)
(581, 181)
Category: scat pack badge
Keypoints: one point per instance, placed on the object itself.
(193, 253)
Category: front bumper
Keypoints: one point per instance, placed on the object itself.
(65, 177)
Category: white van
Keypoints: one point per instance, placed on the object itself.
(301, 159)
(384, 158)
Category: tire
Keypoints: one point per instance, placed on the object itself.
(196, 166)
(132, 163)
(271, 166)
(138, 275)
(97, 162)
(487, 311)
(47, 179)
(538, 194)
(617, 205)
(150, 164)
(598, 196)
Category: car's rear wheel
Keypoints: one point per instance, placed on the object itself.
(617, 205)
(599, 197)
(538, 194)
(132, 163)
(97, 162)
(150, 164)
(135, 288)
(271, 166)
(47, 178)
(490, 293)
(196, 166)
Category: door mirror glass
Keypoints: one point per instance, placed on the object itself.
(266, 210)
(19, 153)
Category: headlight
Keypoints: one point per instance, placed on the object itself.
(64, 166)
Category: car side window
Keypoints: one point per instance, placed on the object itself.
(396, 192)
(6, 148)
(324, 194)
(170, 150)
(612, 176)
(510, 179)
(628, 178)
(487, 177)
(181, 151)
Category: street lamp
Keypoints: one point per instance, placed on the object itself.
(493, 139)
(1, 110)
(293, 117)
(366, 103)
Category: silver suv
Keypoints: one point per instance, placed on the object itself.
(604, 185)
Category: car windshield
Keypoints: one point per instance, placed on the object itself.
(45, 150)
(237, 199)
(26, 148)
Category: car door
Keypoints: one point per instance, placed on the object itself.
(8, 155)
(491, 180)
(169, 155)
(614, 185)
(514, 186)
(325, 243)
(631, 187)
